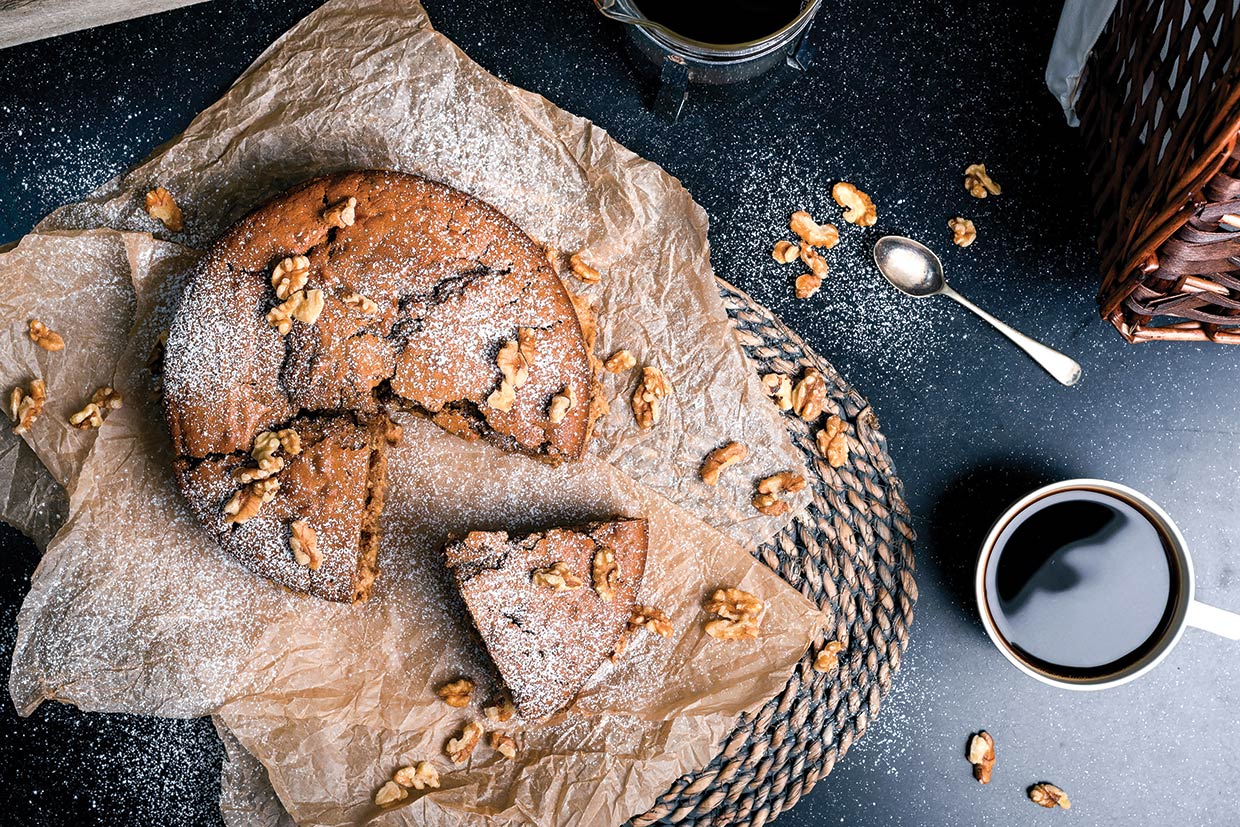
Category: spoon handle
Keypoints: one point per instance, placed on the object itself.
(1062, 367)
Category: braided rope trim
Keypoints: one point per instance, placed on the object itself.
(851, 552)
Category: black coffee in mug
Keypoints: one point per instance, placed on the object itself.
(722, 21)
(1081, 584)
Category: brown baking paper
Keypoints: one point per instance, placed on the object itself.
(134, 609)
(371, 84)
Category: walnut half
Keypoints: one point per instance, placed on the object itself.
(647, 399)
(811, 233)
(504, 745)
(604, 574)
(833, 442)
(779, 387)
(45, 337)
(982, 756)
(620, 361)
(558, 577)
(456, 693)
(303, 541)
(419, 776)
(978, 182)
(722, 458)
(809, 395)
(390, 793)
(740, 614)
(648, 617)
(767, 499)
(246, 503)
(963, 231)
(161, 207)
(1049, 796)
(461, 747)
(858, 207)
(26, 404)
(828, 658)
(341, 214)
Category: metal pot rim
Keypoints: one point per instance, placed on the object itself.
(701, 50)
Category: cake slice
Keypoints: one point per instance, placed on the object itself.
(551, 605)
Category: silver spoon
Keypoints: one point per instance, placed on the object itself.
(913, 268)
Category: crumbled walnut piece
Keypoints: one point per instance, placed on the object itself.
(811, 233)
(833, 443)
(87, 418)
(809, 394)
(583, 271)
(605, 574)
(341, 214)
(390, 793)
(622, 645)
(107, 398)
(561, 404)
(500, 710)
(785, 252)
(460, 748)
(265, 446)
(978, 182)
(722, 458)
(290, 276)
(740, 614)
(289, 441)
(767, 499)
(807, 284)
(1049, 796)
(963, 231)
(420, 776)
(303, 541)
(26, 404)
(646, 399)
(456, 693)
(161, 207)
(360, 303)
(504, 745)
(858, 208)
(620, 361)
(304, 305)
(982, 756)
(502, 398)
(779, 387)
(246, 503)
(45, 337)
(814, 261)
(527, 344)
(648, 617)
(828, 656)
(558, 577)
(266, 468)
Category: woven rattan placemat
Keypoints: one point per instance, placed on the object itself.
(851, 552)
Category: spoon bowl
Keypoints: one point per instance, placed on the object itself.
(910, 266)
(914, 269)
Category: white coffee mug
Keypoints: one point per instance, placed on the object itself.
(1187, 611)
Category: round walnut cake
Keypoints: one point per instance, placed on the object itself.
(349, 296)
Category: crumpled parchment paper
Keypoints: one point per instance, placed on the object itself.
(133, 608)
(371, 84)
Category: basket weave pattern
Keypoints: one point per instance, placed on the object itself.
(851, 553)
(1160, 113)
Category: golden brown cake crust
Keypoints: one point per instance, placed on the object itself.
(451, 280)
(547, 643)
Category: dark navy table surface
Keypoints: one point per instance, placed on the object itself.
(899, 100)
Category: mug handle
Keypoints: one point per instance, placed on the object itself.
(1219, 621)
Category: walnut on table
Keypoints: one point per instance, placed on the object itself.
(650, 618)
(420, 776)
(1049, 796)
(501, 710)
(504, 745)
(584, 272)
(982, 756)
(809, 395)
(963, 231)
(806, 285)
(785, 252)
(811, 233)
(978, 182)
(620, 361)
(779, 387)
(858, 207)
(459, 749)
(767, 498)
(828, 658)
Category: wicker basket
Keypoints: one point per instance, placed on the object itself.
(1160, 113)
